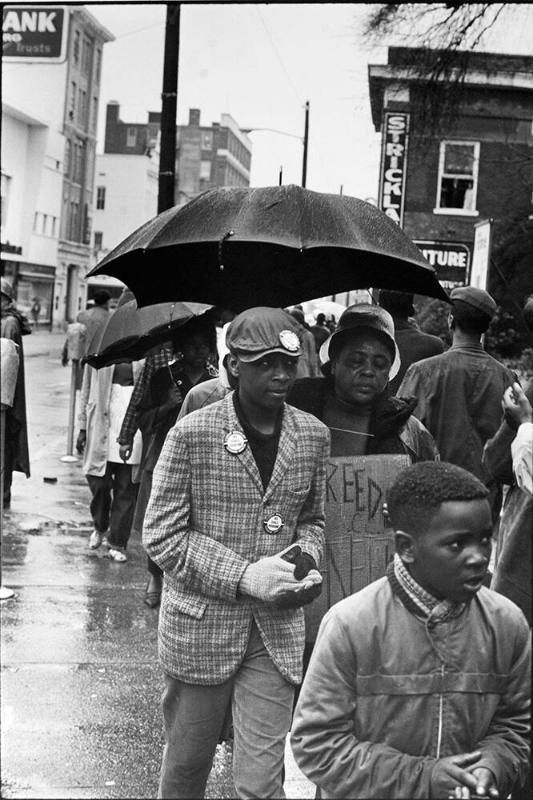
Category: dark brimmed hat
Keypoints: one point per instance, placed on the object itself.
(477, 298)
(258, 331)
(357, 318)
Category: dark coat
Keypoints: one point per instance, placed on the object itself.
(414, 345)
(393, 428)
(15, 326)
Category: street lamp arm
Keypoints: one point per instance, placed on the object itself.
(272, 130)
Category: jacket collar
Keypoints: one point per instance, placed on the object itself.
(286, 447)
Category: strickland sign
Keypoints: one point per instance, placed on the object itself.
(393, 165)
(34, 33)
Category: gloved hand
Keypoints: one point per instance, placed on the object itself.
(81, 441)
(267, 578)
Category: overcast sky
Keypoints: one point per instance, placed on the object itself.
(260, 63)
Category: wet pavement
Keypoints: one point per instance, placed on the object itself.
(80, 679)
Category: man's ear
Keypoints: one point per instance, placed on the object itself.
(405, 546)
(233, 365)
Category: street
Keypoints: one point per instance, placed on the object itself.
(80, 679)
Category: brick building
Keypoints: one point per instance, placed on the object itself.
(206, 155)
(475, 162)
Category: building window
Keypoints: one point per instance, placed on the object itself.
(100, 197)
(98, 240)
(87, 55)
(94, 114)
(97, 66)
(35, 221)
(131, 137)
(205, 170)
(76, 47)
(207, 140)
(73, 92)
(458, 173)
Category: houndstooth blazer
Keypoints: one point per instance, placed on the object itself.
(204, 525)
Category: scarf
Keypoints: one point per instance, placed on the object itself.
(416, 599)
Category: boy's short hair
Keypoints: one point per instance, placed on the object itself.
(419, 490)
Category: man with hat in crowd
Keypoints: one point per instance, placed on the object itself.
(238, 484)
(353, 400)
(459, 392)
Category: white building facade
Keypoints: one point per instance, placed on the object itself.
(51, 69)
(125, 197)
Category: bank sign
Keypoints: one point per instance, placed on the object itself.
(34, 33)
(393, 165)
(451, 261)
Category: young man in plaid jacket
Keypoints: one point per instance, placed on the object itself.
(237, 484)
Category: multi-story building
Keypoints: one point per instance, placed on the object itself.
(52, 57)
(206, 156)
(468, 162)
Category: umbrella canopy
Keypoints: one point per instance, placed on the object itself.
(279, 245)
(131, 331)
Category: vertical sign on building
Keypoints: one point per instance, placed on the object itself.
(481, 256)
(393, 165)
(34, 33)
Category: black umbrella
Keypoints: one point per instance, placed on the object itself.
(273, 246)
(130, 331)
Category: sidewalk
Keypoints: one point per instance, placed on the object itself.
(81, 683)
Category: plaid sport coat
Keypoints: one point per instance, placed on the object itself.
(204, 525)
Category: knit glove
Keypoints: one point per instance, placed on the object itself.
(267, 578)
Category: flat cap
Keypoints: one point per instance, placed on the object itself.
(477, 298)
(258, 331)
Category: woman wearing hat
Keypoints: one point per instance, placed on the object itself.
(354, 401)
(16, 457)
(360, 358)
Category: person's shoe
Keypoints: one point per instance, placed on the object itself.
(152, 594)
(117, 555)
(95, 540)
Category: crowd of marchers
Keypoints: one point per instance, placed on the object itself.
(214, 449)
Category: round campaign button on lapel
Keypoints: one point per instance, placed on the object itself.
(235, 442)
(273, 524)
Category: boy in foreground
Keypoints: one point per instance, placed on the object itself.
(418, 686)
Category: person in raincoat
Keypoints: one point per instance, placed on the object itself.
(104, 397)
(14, 325)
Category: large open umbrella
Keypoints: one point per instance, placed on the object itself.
(276, 246)
(131, 331)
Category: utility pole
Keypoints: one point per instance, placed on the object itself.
(280, 176)
(306, 141)
(169, 102)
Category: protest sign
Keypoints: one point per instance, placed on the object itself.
(359, 545)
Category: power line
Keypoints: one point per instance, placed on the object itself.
(276, 51)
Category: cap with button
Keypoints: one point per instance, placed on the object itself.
(259, 331)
